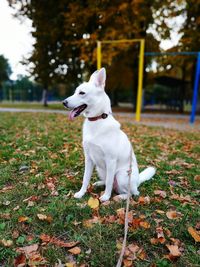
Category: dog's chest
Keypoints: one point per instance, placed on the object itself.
(94, 150)
(93, 146)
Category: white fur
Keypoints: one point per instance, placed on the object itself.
(106, 146)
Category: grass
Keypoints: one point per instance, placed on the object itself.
(50, 146)
(31, 105)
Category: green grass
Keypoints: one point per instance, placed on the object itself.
(31, 105)
(50, 146)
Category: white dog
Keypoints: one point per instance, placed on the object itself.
(106, 146)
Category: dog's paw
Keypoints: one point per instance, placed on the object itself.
(79, 194)
(104, 197)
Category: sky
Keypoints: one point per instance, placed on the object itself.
(16, 41)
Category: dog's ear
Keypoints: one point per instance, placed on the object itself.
(99, 77)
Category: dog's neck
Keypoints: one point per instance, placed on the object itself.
(102, 107)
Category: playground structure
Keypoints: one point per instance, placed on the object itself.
(142, 54)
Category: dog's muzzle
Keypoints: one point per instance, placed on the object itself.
(65, 103)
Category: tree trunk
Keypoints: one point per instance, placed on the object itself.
(44, 97)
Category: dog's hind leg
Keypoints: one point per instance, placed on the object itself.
(102, 175)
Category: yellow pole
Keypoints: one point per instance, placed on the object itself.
(98, 55)
(140, 81)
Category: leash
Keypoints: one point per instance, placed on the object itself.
(119, 263)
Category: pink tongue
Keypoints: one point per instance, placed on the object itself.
(72, 115)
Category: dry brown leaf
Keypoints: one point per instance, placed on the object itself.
(127, 263)
(44, 217)
(23, 219)
(6, 188)
(174, 250)
(75, 250)
(28, 250)
(6, 216)
(15, 234)
(194, 234)
(142, 254)
(6, 243)
(136, 222)
(160, 193)
(197, 178)
(144, 200)
(20, 261)
(93, 203)
(89, 223)
(172, 214)
(60, 243)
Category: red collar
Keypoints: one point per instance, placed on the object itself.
(102, 116)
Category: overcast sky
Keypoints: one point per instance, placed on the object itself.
(16, 41)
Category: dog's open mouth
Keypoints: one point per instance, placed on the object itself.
(77, 111)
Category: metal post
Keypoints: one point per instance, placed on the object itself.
(98, 55)
(195, 90)
(140, 81)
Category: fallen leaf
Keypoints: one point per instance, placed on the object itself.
(43, 217)
(15, 234)
(75, 250)
(6, 188)
(142, 254)
(6, 243)
(28, 249)
(127, 263)
(172, 214)
(136, 222)
(145, 224)
(60, 243)
(5, 216)
(144, 200)
(160, 193)
(23, 219)
(70, 264)
(174, 250)
(194, 234)
(20, 261)
(93, 203)
(197, 178)
(89, 223)
(160, 211)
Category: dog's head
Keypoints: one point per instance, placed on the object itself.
(89, 98)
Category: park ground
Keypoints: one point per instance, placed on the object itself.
(41, 166)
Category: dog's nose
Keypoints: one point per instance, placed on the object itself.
(65, 103)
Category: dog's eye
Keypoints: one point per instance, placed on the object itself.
(81, 93)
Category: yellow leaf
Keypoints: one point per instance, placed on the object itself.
(75, 250)
(93, 203)
(194, 234)
(70, 264)
(144, 224)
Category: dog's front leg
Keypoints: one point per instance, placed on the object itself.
(110, 173)
(89, 166)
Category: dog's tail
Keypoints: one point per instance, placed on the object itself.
(147, 174)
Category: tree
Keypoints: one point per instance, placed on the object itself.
(5, 71)
(66, 32)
